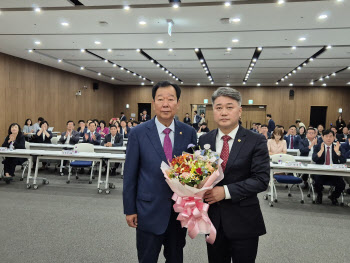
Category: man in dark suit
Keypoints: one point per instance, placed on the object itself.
(292, 138)
(234, 207)
(327, 153)
(187, 119)
(253, 128)
(113, 139)
(196, 120)
(344, 136)
(270, 123)
(70, 136)
(122, 117)
(145, 116)
(146, 195)
(92, 137)
(124, 129)
(265, 131)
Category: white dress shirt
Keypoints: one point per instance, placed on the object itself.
(161, 128)
(112, 139)
(220, 143)
(67, 138)
(312, 148)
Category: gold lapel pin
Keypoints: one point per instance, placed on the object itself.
(181, 133)
(239, 140)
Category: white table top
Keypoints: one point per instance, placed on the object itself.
(70, 146)
(311, 169)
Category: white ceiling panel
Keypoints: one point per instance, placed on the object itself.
(121, 2)
(339, 63)
(336, 52)
(176, 54)
(228, 64)
(35, 3)
(288, 53)
(68, 54)
(213, 54)
(278, 63)
(119, 55)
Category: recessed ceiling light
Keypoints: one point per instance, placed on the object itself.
(294, 47)
(99, 73)
(30, 50)
(170, 50)
(138, 50)
(302, 38)
(114, 65)
(212, 82)
(260, 48)
(235, 20)
(329, 47)
(37, 42)
(142, 83)
(258, 84)
(98, 42)
(333, 74)
(109, 50)
(227, 3)
(196, 49)
(59, 61)
(112, 78)
(37, 9)
(280, 2)
(324, 84)
(126, 7)
(82, 68)
(290, 84)
(235, 40)
(65, 24)
(198, 84)
(228, 49)
(227, 84)
(176, 5)
(82, 50)
(142, 22)
(106, 61)
(160, 41)
(322, 17)
(311, 83)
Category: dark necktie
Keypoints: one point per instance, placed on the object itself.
(328, 157)
(225, 152)
(167, 146)
(291, 142)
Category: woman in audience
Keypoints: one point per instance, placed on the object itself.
(28, 128)
(82, 128)
(102, 129)
(202, 120)
(302, 133)
(203, 128)
(43, 135)
(340, 124)
(277, 143)
(130, 124)
(16, 140)
(320, 129)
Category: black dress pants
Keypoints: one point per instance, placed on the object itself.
(336, 181)
(10, 164)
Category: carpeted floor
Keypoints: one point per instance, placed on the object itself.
(73, 223)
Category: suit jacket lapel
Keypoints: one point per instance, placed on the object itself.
(178, 140)
(212, 140)
(236, 146)
(153, 136)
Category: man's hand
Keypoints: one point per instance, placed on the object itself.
(93, 137)
(132, 220)
(86, 136)
(336, 147)
(214, 195)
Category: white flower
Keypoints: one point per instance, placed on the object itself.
(212, 159)
(197, 153)
(207, 146)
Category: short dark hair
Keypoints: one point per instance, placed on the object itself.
(280, 126)
(311, 129)
(92, 122)
(204, 123)
(326, 132)
(195, 112)
(292, 126)
(40, 119)
(122, 113)
(43, 122)
(258, 123)
(163, 84)
(297, 121)
(113, 126)
(268, 115)
(70, 121)
(135, 122)
(27, 121)
(81, 121)
(187, 113)
(19, 128)
(122, 121)
(264, 125)
(102, 121)
(277, 131)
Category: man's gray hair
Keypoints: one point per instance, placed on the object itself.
(227, 92)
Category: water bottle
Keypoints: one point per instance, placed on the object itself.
(11, 146)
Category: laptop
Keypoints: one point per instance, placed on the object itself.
(50, 129)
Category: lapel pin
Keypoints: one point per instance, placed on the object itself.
(239, 140)
(181, 133)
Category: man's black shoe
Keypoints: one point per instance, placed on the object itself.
(334, 200)
(319, 199)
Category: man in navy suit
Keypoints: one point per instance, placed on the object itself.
(270, 123)
(92, 137)
(327, 153)
(292, 138)
(146, 195)
(234, 207)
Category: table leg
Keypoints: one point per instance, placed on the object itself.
(99, 177)
(36, 173)
(30, 160)
(107, 176)
(122, 171)
(271, 187)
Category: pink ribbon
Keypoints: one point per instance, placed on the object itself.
(192, 211)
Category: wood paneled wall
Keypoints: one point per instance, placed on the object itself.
(284, 110)
(32, 90)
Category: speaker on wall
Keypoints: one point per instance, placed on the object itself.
(291, 93)
(95, 86)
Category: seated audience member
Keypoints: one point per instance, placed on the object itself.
(113, 139)
(16, 139)
(97, 123)
(264, 131)
(327, 153)
(187, 119)
(37, 125)
(253, 128)
(298, 124)
(135, 123)
(102, 129)
(258, 126)
(92, 137)
(124, 130)
(28, 128)
(70, 136)
(196, 120)
(270, 123)
(202, 119)
(282, 127)
(292, 138)
(203, 128)
(320, 129)
(145, 116)
(340, 124)
(344, 136)
(43, 135)
(277, 144)
(302, 132)
(112, 121)
(335, 132)
(129, 124)
(82, 128)
(122, 116)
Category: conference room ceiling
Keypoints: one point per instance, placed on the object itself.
(105, 30)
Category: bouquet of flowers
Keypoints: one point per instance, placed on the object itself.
(189, 176)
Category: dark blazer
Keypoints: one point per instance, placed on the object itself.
(123, 118)
(118, 141)
(187, 120)
(147, 118)
(304, 146)
(271, 125)
(296, 141)
(198, 118)
(19, 143)
(122, 132)
(342, 137)
(345, 149)
(74, 139)
(81, 133)
(145, 190)
(247, 173)
(89, 140)
(321, 160)
(39, 139)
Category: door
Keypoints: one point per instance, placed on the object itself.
(142, 107)
(318, 116)
(252, 114)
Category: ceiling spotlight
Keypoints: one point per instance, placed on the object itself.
(128, 71)
(152, 82)
(294, 71)
(109, 50)
(228, 84)
(201, 60)
(228, 49)
(59, 61)
(235, 40)
(65, 24)
(327, 77)
(196, 49)
(280, 2)
(289, 74)
(254, 59)
(142, 23)
(235, 20)
(252, 64)
(294, 47)
(37, 42)
(138, 50)
(140, 77)
(227, 3)
(158, 65)
(106, 61)
(170, 50)
(82, 50)
(250, 68)
(324, 84)
(198, 84)
(286, 77)
(290, 84)
(121, 68)
(170, 74)
(333, 74)
(276, 83)
(244, 83)
(176, 5)
(348, 83)
(114, 65)
(260, 48)
(321, 79)
(258, 84)
(163, 68)
(30, 50)
(322, 17)
(173, 77)
(304, 64)
(98, 42)
(207, 72)
(167, 71)
(299, 68)
(282, 79)
(112, 78)
(126, 7)
(213, 82)
(82, 68)
(142, 83)
(160, 41)
(302, 38)
(177, 78)
(99, 74)
(348, 67)
(311, 83)
(329, 47)
(37, 9)
(134, 74)
(311, 59)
